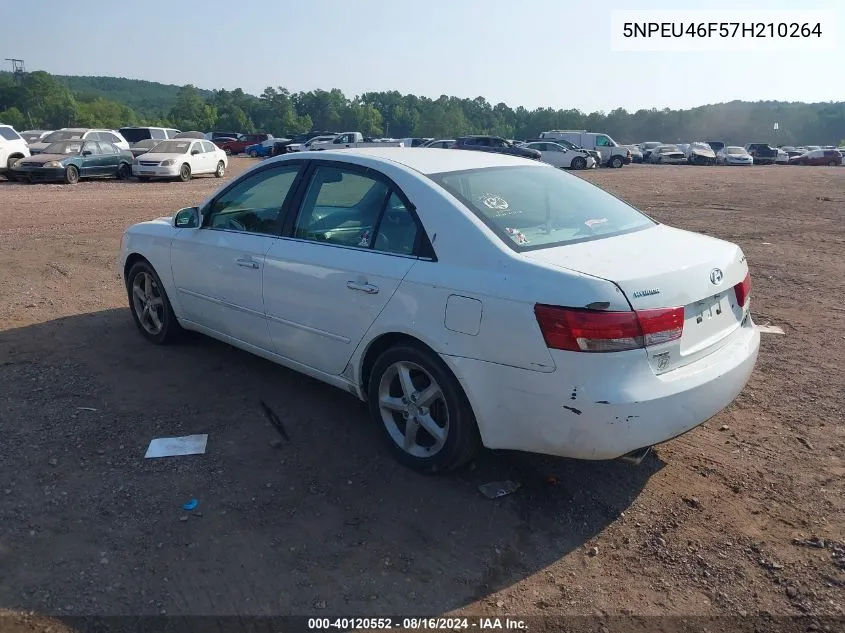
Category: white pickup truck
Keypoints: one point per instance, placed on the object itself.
(351, 139)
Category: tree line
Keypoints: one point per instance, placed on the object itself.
(43, 101)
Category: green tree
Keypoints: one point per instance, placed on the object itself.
(13, 117)
(191, 112)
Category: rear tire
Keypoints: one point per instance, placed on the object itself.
(832, 163)
(412, 391)
(220, 171)
(123, 171)
(71, 175)
(185, 172)
(579, 162)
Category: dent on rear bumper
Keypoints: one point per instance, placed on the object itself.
(595, 408)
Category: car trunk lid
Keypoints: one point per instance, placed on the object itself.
(663, 267)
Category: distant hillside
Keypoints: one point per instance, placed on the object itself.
(147, 98)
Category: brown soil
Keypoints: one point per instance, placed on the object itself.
(718, 522)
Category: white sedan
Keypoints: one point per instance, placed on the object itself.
(559, 156)
(182, 159)
(734, 155)
(469, 297)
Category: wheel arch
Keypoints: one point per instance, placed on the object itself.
(378, 346)
(131, 260)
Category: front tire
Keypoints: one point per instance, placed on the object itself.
(221, 170)
(579, 162)
(616, 162)
(123, 171)
(150, 307)
(185, 172)
(253, 154)
(71, 175)
(422, 410)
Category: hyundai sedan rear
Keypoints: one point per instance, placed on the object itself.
(468, 297)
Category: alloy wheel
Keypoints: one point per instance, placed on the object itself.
(413, 409)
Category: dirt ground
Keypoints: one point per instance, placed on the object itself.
(745, 515)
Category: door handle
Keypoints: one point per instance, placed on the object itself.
(370, 289)
(247, 262)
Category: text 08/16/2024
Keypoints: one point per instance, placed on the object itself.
(723, 30)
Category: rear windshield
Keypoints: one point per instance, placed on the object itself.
(539, 207)
(63, 135)
(135, 134)
(8, 133)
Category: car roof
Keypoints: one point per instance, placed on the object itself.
(428, 160)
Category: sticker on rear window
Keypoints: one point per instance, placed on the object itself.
(592, 223)
(493, 201)
(517, 236)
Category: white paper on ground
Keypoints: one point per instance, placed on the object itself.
(770, 329)
(173, 446)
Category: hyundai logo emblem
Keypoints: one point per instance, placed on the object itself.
(716, 276)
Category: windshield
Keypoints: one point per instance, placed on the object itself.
(651, 145)
(64, 147)
(171, 147)
(63, 135)
(735, 150)
(668, 148)
(539, 207)
(31, 137)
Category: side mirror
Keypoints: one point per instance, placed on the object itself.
(194, 152)
(87, 152)
(188, 218)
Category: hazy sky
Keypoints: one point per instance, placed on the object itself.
(535, 53)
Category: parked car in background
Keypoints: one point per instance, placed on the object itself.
(716, 146)
(240, 144)
(182, 159)
(612, 154)
(811, 148)
(647, 146)
(441, 143)
(346, 140)
(523, 244)
(13, 148)
(264, 148)
(667, 155)
(494, 144)
(142, 147)
(560, 156)
(841, 150)
(306, 145)
(68, 161)
(413, 142)
(136, 134)
(683, 147)
(762, 153)
(793, 151)
(733, 155)
(34, 136)
(700, 153)
(191, 134)
(816, 157)
(80, 134)
(782, 158)
(636, 153)
(221, 135)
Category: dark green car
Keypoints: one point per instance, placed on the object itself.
(68, 161)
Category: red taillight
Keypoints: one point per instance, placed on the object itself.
(581, 330)
(743, 291)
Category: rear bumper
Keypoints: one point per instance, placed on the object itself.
(602, 406)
